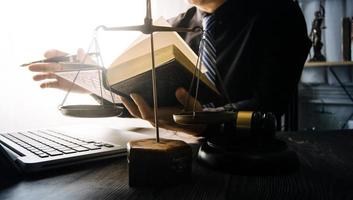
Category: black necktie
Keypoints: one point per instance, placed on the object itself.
(209, 50)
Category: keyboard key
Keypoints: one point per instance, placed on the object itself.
(57, 146)
(80, 149)
(43, 155)
(91, 147)
(61, 148)
(50, 150)
(81, 143)
(26, 146)
(36, 151)
(108, 145)
(98, 144)
(68, 151)
(46, 149)
(30, 148)
(55, 153)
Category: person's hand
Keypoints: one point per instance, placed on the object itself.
(140, 109)
(45, 72)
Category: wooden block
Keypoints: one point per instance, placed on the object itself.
(165, 163)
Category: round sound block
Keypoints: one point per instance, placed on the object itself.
(246, 156)
(167, 162)
(88, 111)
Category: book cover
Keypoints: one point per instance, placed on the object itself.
(173, 70)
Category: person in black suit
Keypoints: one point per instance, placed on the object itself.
(260, 48)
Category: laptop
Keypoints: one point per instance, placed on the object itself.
(38, 150)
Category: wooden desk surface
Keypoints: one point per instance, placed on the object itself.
(326, 172)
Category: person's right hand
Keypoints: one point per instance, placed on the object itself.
(140, 109)
(45, 72)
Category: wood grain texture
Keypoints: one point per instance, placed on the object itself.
(326, 172)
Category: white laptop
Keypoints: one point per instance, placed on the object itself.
(37, 150)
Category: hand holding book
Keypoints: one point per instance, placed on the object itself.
(138, 107)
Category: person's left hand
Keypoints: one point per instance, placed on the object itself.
(45, 72)
(140, 109)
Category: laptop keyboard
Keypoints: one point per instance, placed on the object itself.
(51, 143)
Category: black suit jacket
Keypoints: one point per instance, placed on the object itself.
(261, 49)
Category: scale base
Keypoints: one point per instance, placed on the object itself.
(248, 156)
(153, 163)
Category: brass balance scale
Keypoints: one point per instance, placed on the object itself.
(241, 142)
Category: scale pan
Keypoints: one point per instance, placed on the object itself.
(204, 117)
(91, 111)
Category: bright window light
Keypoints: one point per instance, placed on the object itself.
(29, 27)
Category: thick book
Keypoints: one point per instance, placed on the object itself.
(173, 70)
